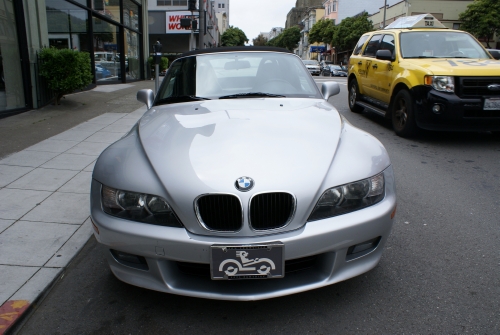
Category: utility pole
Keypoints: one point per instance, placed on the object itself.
(201, 25)
(385, 7)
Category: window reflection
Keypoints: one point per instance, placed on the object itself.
(67, 25)
(11, 81)
(109, 8)
(132, 52)
(130, 14)
(106, 51)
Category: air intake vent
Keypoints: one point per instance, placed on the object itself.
(271, 210)
(221, 212)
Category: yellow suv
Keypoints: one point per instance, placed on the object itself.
(420, 74)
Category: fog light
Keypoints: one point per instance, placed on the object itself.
(437, 109)
(362, 249)
(130, 260)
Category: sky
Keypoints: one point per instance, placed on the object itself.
(260, 16)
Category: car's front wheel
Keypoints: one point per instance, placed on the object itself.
(353, 97)
(403, 116)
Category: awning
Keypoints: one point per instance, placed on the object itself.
(317, 48)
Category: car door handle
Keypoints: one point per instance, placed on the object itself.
(375, 66)
(360, 63)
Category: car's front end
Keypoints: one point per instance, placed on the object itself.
(453, 88)
(245, 196)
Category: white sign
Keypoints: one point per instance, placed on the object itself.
(174, 22)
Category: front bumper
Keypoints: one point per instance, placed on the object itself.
(165, 248)
(314, 71)
(457, 114)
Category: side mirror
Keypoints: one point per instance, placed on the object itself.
(384, 55)
(146, 97)
(329, 89)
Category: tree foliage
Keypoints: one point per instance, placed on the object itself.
(65, 70)
(233, 36)
(259, 40)
(482, 19)
(348, 32)
(288, 39)
(322, 31)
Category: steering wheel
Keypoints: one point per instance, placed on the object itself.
(456, 53)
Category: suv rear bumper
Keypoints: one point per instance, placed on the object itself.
(457, 114)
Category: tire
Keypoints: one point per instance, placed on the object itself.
(353, 97)
(402, 115)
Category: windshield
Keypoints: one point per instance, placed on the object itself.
(440, 44)
(335, 67)
(211, 76)
(310, 62)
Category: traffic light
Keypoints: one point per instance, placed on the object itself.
(192, 5)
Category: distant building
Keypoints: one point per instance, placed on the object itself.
(297, 13)
(221, 9)
(165, 25)
(349, 8)
(274, 32)
(446, 11)
(305, 50)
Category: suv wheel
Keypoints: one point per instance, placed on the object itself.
(403, 118)
(353, 97)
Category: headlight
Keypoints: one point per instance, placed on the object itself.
(349, 198)
(138, 207)
(441, 83)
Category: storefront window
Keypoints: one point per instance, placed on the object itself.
(130, 14)
(11, 81)
(108, 8)
(67, 25)
(107, 48)
(132, 52)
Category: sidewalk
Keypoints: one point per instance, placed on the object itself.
(46, 162)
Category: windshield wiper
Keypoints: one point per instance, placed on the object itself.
(251, 94)
(179, 98)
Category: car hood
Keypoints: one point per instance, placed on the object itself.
(203, 147)
(456, 66)
(312, 66)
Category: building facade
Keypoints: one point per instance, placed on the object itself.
(164, 18)
(297, 13)
(305, 49)
(274, 32)
(112, 31)
(331, 10)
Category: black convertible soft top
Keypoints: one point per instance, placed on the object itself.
(233, 49)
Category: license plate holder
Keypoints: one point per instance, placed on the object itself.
(491, 104)
(251, 261)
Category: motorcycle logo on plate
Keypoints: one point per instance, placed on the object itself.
(261, 266)
(244, 184)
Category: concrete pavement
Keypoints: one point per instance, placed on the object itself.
(46, 162)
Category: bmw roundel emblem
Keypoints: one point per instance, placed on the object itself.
(244, 184)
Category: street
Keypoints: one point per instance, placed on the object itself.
(440, 272)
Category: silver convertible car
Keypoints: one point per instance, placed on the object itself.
(241, 182)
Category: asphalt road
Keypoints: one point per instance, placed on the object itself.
(440, 273)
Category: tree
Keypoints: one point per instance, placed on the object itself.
(348, 32)
(233, 36)
(482, 19)
(259, 40)
(322, 31)
(288, 39)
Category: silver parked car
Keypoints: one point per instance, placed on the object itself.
(312, 66)
(241, 182)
